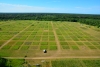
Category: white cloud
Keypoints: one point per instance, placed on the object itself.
(4, 7)
(24, 8)
(89, 8)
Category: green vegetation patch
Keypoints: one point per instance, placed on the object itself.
(76, 63)
(39, 33)
(92, 63)
(24, 47)
(59, 33)
(17, 37)
(75, 47)
(75, 39)
(63, 43)
(16, 47)
(79, 43)
(87, 43)
(98, 47)
(7, 37)
(44, 43)
(27, 43)
(69, 39)
(33, 33)
(52, 43)
(43, 47)
(95, 39)
(36, 39)
(15, 63)
(95, 43)
(65, 47)
(71, 43)
(11, 43)
(66, 63)
(45, 33)
(1, 43)
(23, 37)
(92, 47)
(88, 39)
(61, 39)
(51, 33)
(82, 39)
(51, 39)
(33, 47)
(27, 33)
(35, 43)
(6, 47)
(19, 43)
(44, 39)
(53, 47)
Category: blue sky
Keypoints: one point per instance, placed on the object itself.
(51, 6)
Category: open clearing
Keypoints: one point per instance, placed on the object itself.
(60, 39)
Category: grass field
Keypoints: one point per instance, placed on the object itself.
(76, 63)
(57, 62)
(60, 39)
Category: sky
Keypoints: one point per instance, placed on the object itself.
(50, 6)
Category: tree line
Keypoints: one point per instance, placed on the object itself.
(93, 22)
(82, 18)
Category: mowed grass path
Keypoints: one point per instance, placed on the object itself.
(69, 37)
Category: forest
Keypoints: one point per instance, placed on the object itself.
(89, 19)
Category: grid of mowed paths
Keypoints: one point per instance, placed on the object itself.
(72, 37)
(40, 35)
(8, 29)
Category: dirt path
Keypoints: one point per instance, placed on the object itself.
(52, 57)
(14, 37)
(56, 38)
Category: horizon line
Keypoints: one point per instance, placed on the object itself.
(51, 13)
